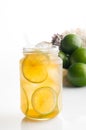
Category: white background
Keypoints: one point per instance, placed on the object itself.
(34, 21)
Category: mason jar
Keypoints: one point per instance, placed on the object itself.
(41, 83)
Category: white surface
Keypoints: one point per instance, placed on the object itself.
(36, 20)
(72, 117)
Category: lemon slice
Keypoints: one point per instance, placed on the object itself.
(44, 100)
(24, 101)
(34, 67)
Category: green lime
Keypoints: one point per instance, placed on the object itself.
(65, 59)
(79, 55)
(70, 43)
(77, 74)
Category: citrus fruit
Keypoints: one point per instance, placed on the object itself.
(34, 67)
(70, 42)
(24, 101)
(44, 100)
(77, 74)
(79, 55)
(65, 59)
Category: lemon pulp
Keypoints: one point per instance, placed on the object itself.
(44, 100)
(34, 67)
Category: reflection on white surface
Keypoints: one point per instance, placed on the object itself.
(73, 116)
(55, 123)
(17, 122)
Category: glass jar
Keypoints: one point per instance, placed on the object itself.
(41, 83)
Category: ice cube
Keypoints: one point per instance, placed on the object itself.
(44, 44)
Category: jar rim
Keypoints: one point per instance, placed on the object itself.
(52, 49)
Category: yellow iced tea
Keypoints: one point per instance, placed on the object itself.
(41, 84)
